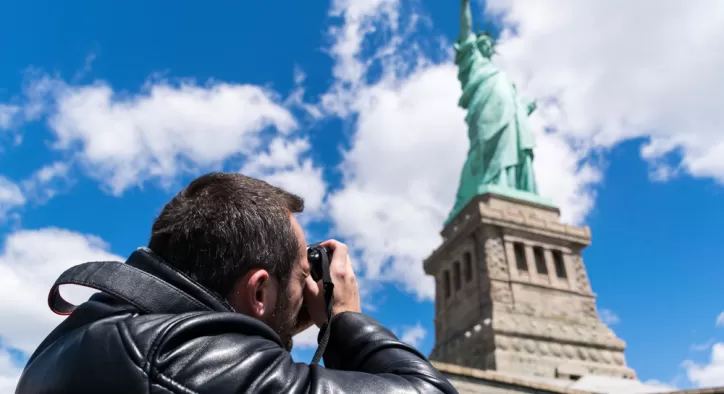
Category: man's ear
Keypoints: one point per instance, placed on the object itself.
(253, 294)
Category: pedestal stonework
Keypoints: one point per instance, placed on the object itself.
(512, 294)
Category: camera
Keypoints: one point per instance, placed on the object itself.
(318, 255)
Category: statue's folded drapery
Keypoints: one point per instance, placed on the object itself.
(501, 142)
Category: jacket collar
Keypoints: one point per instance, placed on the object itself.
(145, 260)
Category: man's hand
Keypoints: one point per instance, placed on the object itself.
(346, 292)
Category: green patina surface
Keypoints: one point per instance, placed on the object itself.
(500, 158)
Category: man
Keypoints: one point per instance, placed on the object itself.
(213, 305)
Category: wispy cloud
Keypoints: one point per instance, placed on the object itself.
(609, 317)
(720, 320)
(414, 335)
(698, 347)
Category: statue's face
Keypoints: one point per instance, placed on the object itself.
(485, 45)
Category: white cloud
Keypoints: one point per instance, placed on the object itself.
(283, 165)
(609, 317)
(402, 170)
(360, 19)
(307, 339)
(399, 181)
(657, 386)
(393, 200)
(712, 373)
(50, 172)
(414, 335)
(707, 375)
(564, 174)
(698, 347)
(31, 260)
(613, 74)
(165, 130)
(47, 181)
(39, 187)
(9, 372)
(603, 72)
(11, 196)
(7, 114)
(296, 97)
(609, 385)
(124, 140)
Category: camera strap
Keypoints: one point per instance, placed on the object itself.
(328, 288)
(131, 285)
(125, 282)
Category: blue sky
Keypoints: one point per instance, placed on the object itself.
(106, 111)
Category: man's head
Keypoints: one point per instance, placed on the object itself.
(238, 237)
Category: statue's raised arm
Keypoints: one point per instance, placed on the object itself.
(466, 19)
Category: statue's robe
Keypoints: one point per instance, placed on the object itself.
(501, 141)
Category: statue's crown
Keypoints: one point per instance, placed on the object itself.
(486, 33)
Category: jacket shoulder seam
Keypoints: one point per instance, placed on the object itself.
(156, 377)
(167, 382)
(156, 346)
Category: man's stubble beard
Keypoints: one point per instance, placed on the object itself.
(283, 320)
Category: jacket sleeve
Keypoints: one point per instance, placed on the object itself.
(361, 357)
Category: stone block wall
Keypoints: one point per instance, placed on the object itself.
(537, 318)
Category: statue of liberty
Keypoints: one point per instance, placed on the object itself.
(501, 141)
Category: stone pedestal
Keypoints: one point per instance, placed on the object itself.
(512, 294)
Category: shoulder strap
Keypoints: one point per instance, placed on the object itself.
(132, 285)
(328, 298)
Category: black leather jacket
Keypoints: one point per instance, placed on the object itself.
(109, 346)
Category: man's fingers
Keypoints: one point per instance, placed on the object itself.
(314, 301)
(346, 292)
(340, 256)
(335, 246)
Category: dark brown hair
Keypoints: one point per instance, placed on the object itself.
(224, 224)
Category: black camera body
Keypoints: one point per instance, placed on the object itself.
(318, 256)
(319, 259)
